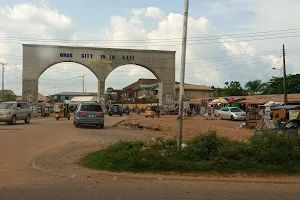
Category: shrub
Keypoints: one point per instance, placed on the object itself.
(203, 147)
(265, 153)
(273, 149)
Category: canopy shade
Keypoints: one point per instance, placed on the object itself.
(222, 101)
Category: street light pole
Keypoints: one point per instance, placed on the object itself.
(2, 92)
(182, 73)
(284, 78)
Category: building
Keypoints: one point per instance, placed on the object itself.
(41, 98)
(139, 89)
(61, 97)
(191, 91)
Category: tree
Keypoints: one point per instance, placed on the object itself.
(219, 92)
(255, 87)
(275, 85)
(109, 89)
(233, 88)
(8, 95)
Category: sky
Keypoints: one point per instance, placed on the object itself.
(228, 40)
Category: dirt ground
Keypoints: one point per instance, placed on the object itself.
(192, 126)
(41, 160)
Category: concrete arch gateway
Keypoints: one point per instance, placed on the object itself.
(101, 61)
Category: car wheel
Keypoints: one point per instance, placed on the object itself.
(13, 120)
(232, 118)
(101, 126)
(220, 117)
(77, 125)
(27, 120)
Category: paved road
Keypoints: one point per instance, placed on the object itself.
(41, 161)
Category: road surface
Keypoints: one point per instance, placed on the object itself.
(41, 161)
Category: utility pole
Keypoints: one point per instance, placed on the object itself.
(182, 73)
(2, 92)
(82, 84)
(284, 78)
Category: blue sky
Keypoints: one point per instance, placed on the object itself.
(160, 19)
(89, 15)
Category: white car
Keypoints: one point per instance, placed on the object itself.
(232, 113)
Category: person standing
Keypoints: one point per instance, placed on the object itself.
(277, 121)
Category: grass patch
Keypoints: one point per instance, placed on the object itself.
(205, 153)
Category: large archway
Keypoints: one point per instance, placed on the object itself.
(101, 61)
(67, 77)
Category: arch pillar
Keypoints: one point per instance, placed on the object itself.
(30, 94)
(101, 90)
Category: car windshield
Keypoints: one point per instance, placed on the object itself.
(7, 106)
(235, 110)
(96, 108)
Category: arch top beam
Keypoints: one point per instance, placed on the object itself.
(101, 61)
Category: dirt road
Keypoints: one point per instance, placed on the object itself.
(41, 161)
(193, 126)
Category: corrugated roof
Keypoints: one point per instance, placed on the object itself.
(141, 81)
(195, 87)
(75, 93)
(83, 99)
(262, 99)
(287, 107)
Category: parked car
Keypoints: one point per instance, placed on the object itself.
(232, 113)
(115, 110)
(126, 110)
(11, 112)
(289, 129)
(89, 113)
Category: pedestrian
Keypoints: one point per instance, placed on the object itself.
(277, 121)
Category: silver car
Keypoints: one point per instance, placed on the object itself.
(10, 112)
(232, 113)
(89, 113)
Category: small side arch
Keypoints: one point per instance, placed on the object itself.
(139, 65)
(58, 62)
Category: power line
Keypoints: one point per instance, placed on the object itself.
(251, 34)
(227, 68)
(190, 44)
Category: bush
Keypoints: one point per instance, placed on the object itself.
(273, 149)
(265, 153)
(203, 147)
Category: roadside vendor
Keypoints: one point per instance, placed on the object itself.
(278, 121)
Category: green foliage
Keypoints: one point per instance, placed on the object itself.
(219, 92)
(203, 147)
(8, 95)
(265, 153)
(255, 87)
(233, 88)
(275, 85)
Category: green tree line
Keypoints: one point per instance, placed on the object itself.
(256, 87)
(8, 95)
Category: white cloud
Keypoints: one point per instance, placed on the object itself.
(211, 64)
(152, 12)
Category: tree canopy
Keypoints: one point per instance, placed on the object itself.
(8, 95)
(233, 88)
(275, 85)
(255, 87)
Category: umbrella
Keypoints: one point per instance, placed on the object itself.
(222, 101)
